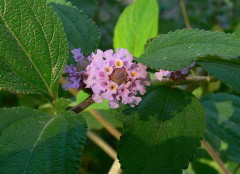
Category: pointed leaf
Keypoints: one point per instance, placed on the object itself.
(81, 31)
(33, 48)
(162, 133)
(34, 142)
(137, 24)
(185, 46)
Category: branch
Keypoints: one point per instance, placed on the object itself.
(185, 15)
(99, 117)
(187, 81)
(215, 156)
(102, 144)
(116, 168)
(83, 105)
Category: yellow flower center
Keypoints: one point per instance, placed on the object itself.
(134, 74)
(113, 87)
(119, 63)
(107, 69)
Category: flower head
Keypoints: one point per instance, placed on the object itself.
(115, 77)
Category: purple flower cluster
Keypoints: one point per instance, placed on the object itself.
(115, 77)
(75, 74)
(174, 75)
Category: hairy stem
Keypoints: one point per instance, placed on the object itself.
(215, 156)
(185, 15)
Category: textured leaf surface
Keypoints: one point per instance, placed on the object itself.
(162, 133)
(178, 49)
(33, 47)
(223, 116)
(226, 71)
(81, 31)
(137, 24)
(33, 142)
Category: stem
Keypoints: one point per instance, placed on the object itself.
(83, 105)
(105, 123)
(215, 156)
(116, 168)
(187, 81)
(185, 15)
(102, 144)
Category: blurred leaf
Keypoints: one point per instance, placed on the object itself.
(185, 46)
(162, 133)
(233, 153)
(137, 24)
(81, 31)
(33, 49)
(223, 119)
(32, 141)
(227, 71)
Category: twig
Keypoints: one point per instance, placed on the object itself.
(185, 15)
(187, 81)
(105, 123)
(116, 168)
(102, 144)
(83, 105)
(215, 156)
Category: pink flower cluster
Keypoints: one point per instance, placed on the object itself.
(174, 75)
(115, 77)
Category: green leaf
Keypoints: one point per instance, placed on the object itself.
(137, 24)
(59, 106)
(33, 142)
(185, 46)
(33, 47)
(162, 133)
(227, 71)
(223, 116)
(223, 119)
(81, 31)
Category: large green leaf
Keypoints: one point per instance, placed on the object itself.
(162, 133)
(33, 47)
(81, 31)
(137, 24)
(226, 71)
(33, 142)
(185, 46)
(223, 119)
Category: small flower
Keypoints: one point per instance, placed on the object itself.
(76, 73)
(115, 77)
(174, 75)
